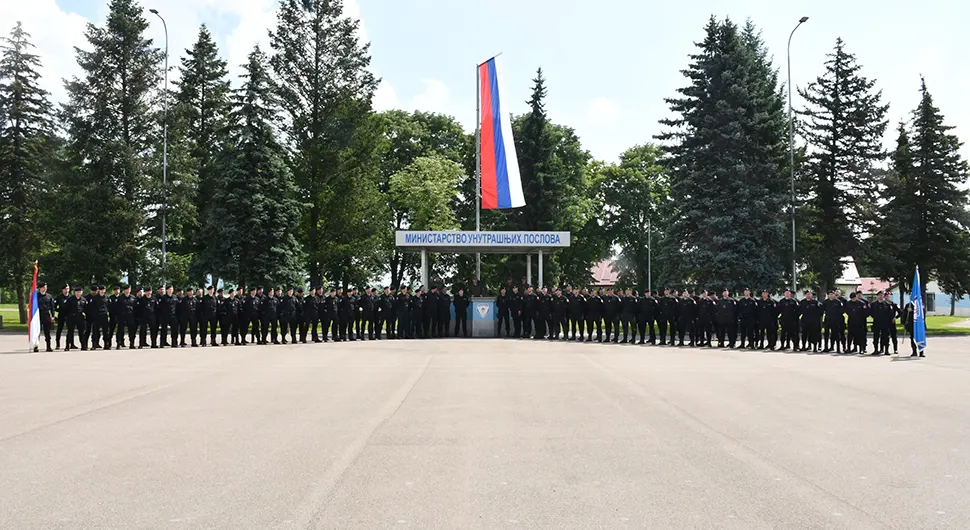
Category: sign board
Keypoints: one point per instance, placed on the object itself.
(497, 240)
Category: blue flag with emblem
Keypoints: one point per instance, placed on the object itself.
(919, 314)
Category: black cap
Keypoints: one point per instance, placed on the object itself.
(78, 289)
(233, 290)
(139, 290)
(210, 287)
(115, 288)
(258, 287)
(125, 286)
(94, 288)
(219, 291)
(191, 288)
(41, 284)
(298, 290)
(66, 286)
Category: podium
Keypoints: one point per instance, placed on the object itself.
(483, 316)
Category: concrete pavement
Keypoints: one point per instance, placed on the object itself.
(483, 434)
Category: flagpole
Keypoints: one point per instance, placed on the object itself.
(478, 165)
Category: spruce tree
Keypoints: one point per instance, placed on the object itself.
(325, 87)
(254, 204)
(25, 150)
(203, 105)
(113, 135)
(726, 158)
(845, 125)
(534, 149)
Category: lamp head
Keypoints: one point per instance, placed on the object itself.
(155, 12)
(800, 21)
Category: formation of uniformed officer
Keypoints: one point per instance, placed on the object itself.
(698, 320)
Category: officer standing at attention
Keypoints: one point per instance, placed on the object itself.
(125, 318)
(330, 313)
(727, 320)
(287, 316)
(577, 318)
(208, 316)
(628, 316)
(594, 315)
(788, 309)
(647, 308)
(530, 307)
(748, 317)
(502, 309)
(112, 303)
(883, 315)
(909, 318)
(858, 313)
(402, 306)
(188, 320)
(611, 316)
(811, 313)
(386, 316)
(270, 310)
(444, 312)
(668, 317)
(892, 325)
(367, 314)
(74, 314)
(767, 321)
(45, 312)
(97, 314)
(416, 306)
(705, 318)
(310, 317)
(687, 314)
(560, 307)
(515, 310)
(431, 312)
(833, 311)
(462, 301)
(61, 317)
(145, 312)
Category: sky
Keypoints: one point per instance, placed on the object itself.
(609, 64)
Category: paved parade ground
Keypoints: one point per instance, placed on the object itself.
(483, 434)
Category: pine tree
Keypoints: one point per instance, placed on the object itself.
(203, 105)
(846, 123)
(113, 134)
(726, 160)
(534, 149)
(925, 220)
(321, 71)
(25, 150)
(254, 204)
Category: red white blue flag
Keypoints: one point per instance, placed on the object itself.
(501, 183)
(33, 322)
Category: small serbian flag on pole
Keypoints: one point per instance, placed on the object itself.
(33, 323)
(501, 183)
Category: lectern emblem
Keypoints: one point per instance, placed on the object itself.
(483, 309)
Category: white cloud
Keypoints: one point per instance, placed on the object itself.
(433, 98)
(603, 111)
(385, 98)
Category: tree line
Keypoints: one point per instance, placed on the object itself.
(287, 175)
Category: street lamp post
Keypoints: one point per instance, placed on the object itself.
(165, 142)
(791, 162)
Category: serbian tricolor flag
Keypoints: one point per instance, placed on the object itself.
(501, 183)
(33, 322)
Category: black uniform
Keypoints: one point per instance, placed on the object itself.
(909, 315)
(125, 319)
(834, 324)
(166, 306)
(444, 313)
(748, 320)
(416, 308)
(502, 308)
(560, 323)
(61, 317)
(112, 303)
(767, 323)
(611, 317)
(187, 313)
(726, 316)
(706, 309)
(883, 313)
(209, 312)
(330, 317)
(594, 317)
(248, 319)
(287, 308)
(431, 314)
(270, 311)
(530, 306)
(96, 311)
(628, 317)
(647, 308)
(668, 318)
(577, 316)
(73, 309)
(146, 313)
(543, 315)
(385, 315)
(811, 313)
(686, 316)
(788, 309)
(367, 311)
(462, 301)
(402, 308)
(515, 310)
(45, 312)
(858, 312)
(311, 317)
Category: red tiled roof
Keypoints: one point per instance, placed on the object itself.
(604, 274)
(873, 285)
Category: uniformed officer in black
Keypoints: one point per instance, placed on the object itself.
(883, 315)
(310, 317)
(748, 319)
(515, 310)
(767, 321)
(416, 305)
(270, 311)
(146, 315)
(402, 307)
(502, 313)
(45, 312)
(431, 312)
(668, 317)
(125, 318)
(366, 314)
(611, 316)
(857, 311)
(331, 315)
(909, 319)
(59, 308)
(726, 316)
(208, 316)
(74, 314)
(96, 312)
(628, 316)
(248, 317)
(811, 311)
(112, 303)
(223, 308)
(834, 323)
(386, 316)
(647, 308)
(161, 316)
(897, 313)
(560, 308)
(287, 316)
(577, 317)
(444, 312)
(788, 309)
(686, 315)
(706, 307)
(462, 301)
(594, 315)
(186, 313)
